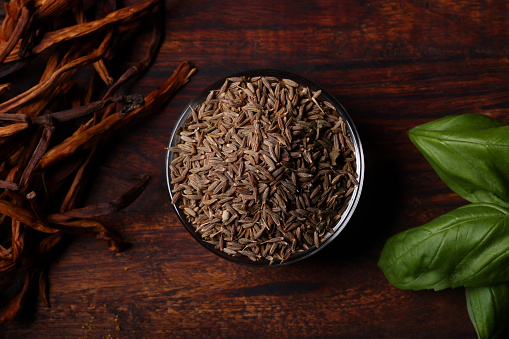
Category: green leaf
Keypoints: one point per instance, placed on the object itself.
(488, 308)
(470, 153)
(465, 247)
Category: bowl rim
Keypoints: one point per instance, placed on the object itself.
(354, 137)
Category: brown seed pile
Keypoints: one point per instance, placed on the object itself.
(263, 168)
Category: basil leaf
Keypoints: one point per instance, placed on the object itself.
(470, 153)
(488, 308)
(465, 247)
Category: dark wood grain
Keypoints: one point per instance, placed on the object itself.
(393, 65)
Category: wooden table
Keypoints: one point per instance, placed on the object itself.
(393, 65)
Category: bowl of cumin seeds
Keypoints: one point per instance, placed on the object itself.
(264, 168)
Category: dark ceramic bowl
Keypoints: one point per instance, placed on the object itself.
(354, 139)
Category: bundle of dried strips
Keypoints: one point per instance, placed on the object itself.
(50, 132)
